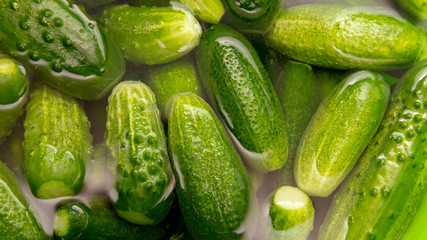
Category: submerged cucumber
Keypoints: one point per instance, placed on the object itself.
(209, 11)
(380, 197)
(417, 8)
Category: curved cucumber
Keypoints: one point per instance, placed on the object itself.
(381, 195)
(137, 144)
(242, 93)
(339, 132)
(57, 143)
(209, 11)
(343, 37)
(42, 35)
(213, 187)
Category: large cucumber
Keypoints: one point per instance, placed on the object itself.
(137, 143)
(214, 192)
(242, 93)
(209, 11)
(379, 198)
(57, 143)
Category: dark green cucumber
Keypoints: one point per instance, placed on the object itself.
(339, 132)
(16, 218)
(14, 87)
(152, 35)
(42, 35)
(379, 198)
(209, 11)
(344, 37)
(418, 8)
(213, 188)
(299, 94)
(57, 143)
(137, 144)
(328, 79)
(242, 93)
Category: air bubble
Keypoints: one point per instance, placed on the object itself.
(418, 118)
(34, 56)
(403, 125)
(153, 170)
(48, 37)
(407, 115)
(410, 133)
(398, 139)
(148, 155)
(58, 22)
(21, 46)
(44, 21)
(417, 105)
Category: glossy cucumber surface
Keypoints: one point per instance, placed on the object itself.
(209, 11)
(417, 8)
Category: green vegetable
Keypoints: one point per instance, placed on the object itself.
(94, 3)
(213, 188)
(343, 37)
(417, 8)
(417, 229)
(209, 11)
(299, 94)
(57, 143)
(152, 35)
(328, 78)
(339, 132)
(13, 93)
(382, 193)
(42, 35)
(137, 144)
(241, 91)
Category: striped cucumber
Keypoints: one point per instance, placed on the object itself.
(57, 143)
(213, 188)
(379, 198)
(241, 91)
(137, 144)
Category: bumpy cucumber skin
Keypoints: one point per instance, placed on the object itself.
(209, 11)
(381, 195)
(417, 8)
(213, 187)
(41, 35)
(57, 143)
(332, 143)
(299, 94)
(242, 93)
(342, 37)
(137, 143)
(16, 219)
(152, 35)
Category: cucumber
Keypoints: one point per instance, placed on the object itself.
(344, 37)
(328, 78)
(382, 193)
(16, 218)
(14, 87)
(137, 145)
(339, 132)
(299, 94)
(209, 11)
(241, 91)
(417, 8)
(42, 35)
(213, 188)
(57, 143)
(152, 35)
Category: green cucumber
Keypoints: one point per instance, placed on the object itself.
(344, 37)
(417, 8)
(328, 79)
(137, 144)
(152, 35)
(241, 91)
(57, 143)
(381, 195)
(213, 188)
(209, 11)
(42, 35)
(14, 87)
(339, 132)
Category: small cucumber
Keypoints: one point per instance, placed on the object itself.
(213, 188)
(152, 35)
(339, 132)
(209, 11)
(344, 37)
(16, 218)
(42, 35)
(418, 8)
(381, 195)
(241, 91)
(137, 144)
(57, 143)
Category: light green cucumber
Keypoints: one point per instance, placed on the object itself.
(152, 35)
(213, 188)
(381, 195)
(345, 37)
(209, 11)
(339, 132)
(137, 145)
(242, 93)
(57, 143)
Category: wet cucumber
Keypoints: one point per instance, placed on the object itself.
(209, 11)
(137, 144)
(42, 35)
(57, 143)
(417, 8)
(241, 91)
(379, 198)
(213, 188)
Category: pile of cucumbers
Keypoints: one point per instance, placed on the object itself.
(213, 119)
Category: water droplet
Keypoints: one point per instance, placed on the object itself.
(34, 56)
(58, 22)
(21, 46)
(46, 12)
(14, 5)
(410, 133)
(137, 139)
(57, 67)
(66, 42)
(398, 139)
(148, 155)
(374, 191)
(152, 139)
(44, 21)
(418, 118)
(401, 158)
(403, 125)
(91, 25)
(417, 105)
(48, 37)
(24, 24)
(142, 177)
(386, 192)
(407, 115)
(153, 170)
